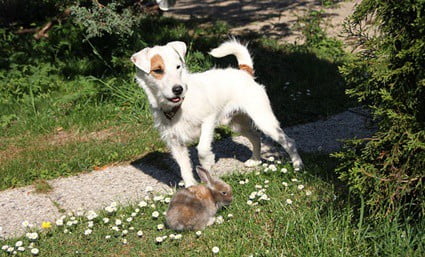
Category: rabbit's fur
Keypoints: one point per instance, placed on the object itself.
(194, 208)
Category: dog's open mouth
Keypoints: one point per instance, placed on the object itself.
(175, 99)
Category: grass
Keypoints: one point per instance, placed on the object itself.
(318, 224)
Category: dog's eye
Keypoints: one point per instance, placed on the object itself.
(178, 67)
(158, 71)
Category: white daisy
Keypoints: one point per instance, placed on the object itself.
(87, 232)
(59, 222)
(178, 236)
(215, 249)
(158, 198)
(253, 195)
(139, 233)
(124, 232)
(308, 193)
(160, 227)
(284, 170)
(272, 167)
(35, 251)
(91, 215)
(18, 243)
(159, 239)
(285, 184)
(143, 204)
(105, 220)
(118, 222)
(219, 219)
(198, 233)
(155, 214)
(21, 249)
(288, 201)
(25, 224)
(300, 187)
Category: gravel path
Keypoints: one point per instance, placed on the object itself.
(126, 184)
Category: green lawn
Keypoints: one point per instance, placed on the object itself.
(309, 216)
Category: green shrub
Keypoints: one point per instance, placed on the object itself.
(387, 170)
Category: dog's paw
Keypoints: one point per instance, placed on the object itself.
(298, 165)
(252, 163)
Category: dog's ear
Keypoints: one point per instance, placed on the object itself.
(141, 60)
(179, 46)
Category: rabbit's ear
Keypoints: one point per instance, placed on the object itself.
(204, 175)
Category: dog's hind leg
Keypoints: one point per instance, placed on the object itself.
(242, 124)
(181, 155)
(263, 117)
(206, 156)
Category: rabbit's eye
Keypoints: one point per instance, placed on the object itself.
(224, 193)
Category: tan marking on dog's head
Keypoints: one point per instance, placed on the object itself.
(157, 67)
(247, 69)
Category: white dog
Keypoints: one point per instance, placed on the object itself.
(187, 107)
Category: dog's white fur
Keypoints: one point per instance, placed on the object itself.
(217, 96)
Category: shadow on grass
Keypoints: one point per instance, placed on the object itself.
(164, 168)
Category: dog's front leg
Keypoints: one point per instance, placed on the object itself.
(206, 156)
(181, 155)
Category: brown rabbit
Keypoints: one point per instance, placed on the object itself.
(194, 208)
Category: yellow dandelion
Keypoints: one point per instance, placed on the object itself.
(46, 224)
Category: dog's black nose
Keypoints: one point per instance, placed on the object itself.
(177, 90)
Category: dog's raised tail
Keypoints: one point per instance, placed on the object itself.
(237, 49)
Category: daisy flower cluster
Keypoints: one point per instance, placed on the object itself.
(260, 196)
(29, 243)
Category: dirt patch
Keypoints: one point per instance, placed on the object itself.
(270, 18)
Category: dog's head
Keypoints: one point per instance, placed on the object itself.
(162, 68)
